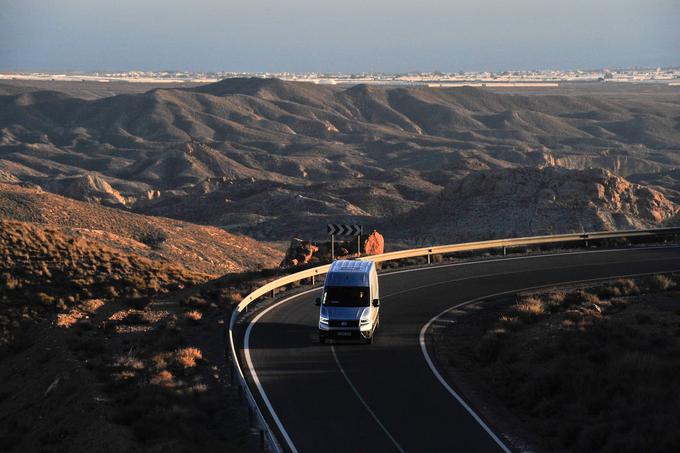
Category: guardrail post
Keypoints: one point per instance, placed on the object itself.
(273, 293)
(313, 280)
(505, 250)
(428, 258)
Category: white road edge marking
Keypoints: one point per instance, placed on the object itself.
(442, 381)
(263, 394)
(251, 368)
(368, 408)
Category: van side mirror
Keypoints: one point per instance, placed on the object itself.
(376, 302)
(318, 301)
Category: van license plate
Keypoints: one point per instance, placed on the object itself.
(344, 334)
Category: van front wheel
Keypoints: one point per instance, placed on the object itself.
(369, 340)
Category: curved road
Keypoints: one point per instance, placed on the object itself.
(386, 396)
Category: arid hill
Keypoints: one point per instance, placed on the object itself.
(106, 350)
(201, 248)
(275, 159)
(524, 202)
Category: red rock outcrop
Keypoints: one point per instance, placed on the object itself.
(374, 244)
(304, 252)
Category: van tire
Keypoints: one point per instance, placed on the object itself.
(369, 340)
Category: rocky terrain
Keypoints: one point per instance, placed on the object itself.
(301, 252)
(276, 159)
(530, 201)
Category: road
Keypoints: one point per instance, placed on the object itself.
(385, 396)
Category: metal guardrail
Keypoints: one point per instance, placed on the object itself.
(311, 274)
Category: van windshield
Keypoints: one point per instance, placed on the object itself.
(346, 296)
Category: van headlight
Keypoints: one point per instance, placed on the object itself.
(365, 317)
(323, 321)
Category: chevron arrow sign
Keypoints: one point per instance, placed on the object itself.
(336, 229)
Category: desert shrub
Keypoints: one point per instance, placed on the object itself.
(608, 291)
(232, 296)
(659, 283)
(9, 282)
(554, 301)
(164, 378)
(529, 308)
(509, 322)
(194, 302)
(45, 299)
(193, 315)
(187, 357)
(154, 239)
(627, 287)
(580, 297)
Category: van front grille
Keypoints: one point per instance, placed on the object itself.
(343, 323)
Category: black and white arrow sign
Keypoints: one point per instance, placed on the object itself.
(336, 229)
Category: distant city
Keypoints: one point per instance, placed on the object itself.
(548, 78)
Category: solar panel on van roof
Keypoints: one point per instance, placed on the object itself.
(350, 266)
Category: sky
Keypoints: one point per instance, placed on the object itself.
(337, 36)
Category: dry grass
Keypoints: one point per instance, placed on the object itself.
(118, 325)
(597, 374)
(53, 270)
(529, 308)
(163, 378)
(193, 316)
(188, 357)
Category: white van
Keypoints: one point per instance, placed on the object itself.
(350, 302)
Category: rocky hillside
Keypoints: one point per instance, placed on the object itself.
(526, 201)
(203, 249)
(277, 159)
(105, 350)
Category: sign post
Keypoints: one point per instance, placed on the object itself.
(334, 229)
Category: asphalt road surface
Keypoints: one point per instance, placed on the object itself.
(386, 396)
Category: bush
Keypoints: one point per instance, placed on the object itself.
(154, 239)
(193, 315)
(627, 287)
(187, 357)
(555, 300)
(164, 378)
(659, 283)
(45, 299)
(233, 297)
(194, 302)
(529, 308)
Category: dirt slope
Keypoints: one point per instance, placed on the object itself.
(200, 248)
